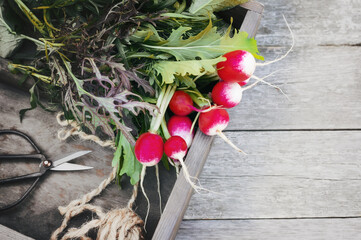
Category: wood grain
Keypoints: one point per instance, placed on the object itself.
(331, 22)
(301, 178)
(285, 175)
(266, 229)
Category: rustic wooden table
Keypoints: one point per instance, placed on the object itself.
(301, 178)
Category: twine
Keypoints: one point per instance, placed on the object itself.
(115, 224)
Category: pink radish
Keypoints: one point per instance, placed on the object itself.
(238, 67)
(227, 94)
(148, 149)
(214, 122)
(181, 126)
(181, 103)
(176, 148)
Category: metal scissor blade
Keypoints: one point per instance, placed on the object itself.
(70, 157)
(70, 167)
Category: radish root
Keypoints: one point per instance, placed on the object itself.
(142, 176)
(188, 177)
(289, 50)
(158, 188)
(221, 134)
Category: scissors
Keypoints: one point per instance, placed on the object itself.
(45, 165)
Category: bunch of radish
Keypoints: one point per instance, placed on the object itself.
(234, 73)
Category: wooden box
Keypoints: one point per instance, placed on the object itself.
(177, 192)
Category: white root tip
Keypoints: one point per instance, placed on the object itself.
(289, 50)
(158, 188)
(188, 177)
(219, 133)
(142, 176)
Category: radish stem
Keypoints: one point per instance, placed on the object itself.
(165, 129)
(163, 106)
(194, 122)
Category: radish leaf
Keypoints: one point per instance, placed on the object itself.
(169, 69)
(208, 44)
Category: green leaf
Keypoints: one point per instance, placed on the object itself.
(8, 40)
(169, 69)
(131, 166)
(204, 7)
(208, 44)
(34, 102)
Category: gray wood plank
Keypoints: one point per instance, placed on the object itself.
(285, 175)
(271, 229)
(9, 234)
(330, 22)
(322, 83)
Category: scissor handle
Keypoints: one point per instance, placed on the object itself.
(45, 165)
(13, 204)
(22, 177)
(23, 135)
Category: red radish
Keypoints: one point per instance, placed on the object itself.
(243, 83)
(181, 126)
(176, 148)
(214, 122)
(227, 94)
(238, 67)
(181, 103)
(148, 149)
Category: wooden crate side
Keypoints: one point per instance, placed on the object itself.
(178, 201)
(9, 234)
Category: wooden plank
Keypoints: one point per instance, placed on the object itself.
(322, 83)
(9, 234)
(330, 22)
(271, 229)
(178, 200)
(285, 175)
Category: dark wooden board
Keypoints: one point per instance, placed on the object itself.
(39, 210)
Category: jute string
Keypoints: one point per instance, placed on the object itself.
(115, 224)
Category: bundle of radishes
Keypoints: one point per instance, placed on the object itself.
(213, 119)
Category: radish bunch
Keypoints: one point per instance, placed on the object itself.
(234, 74)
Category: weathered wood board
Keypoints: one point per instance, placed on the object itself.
(285, 174)
(301, 178)
(265, 229)
(323, 94)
